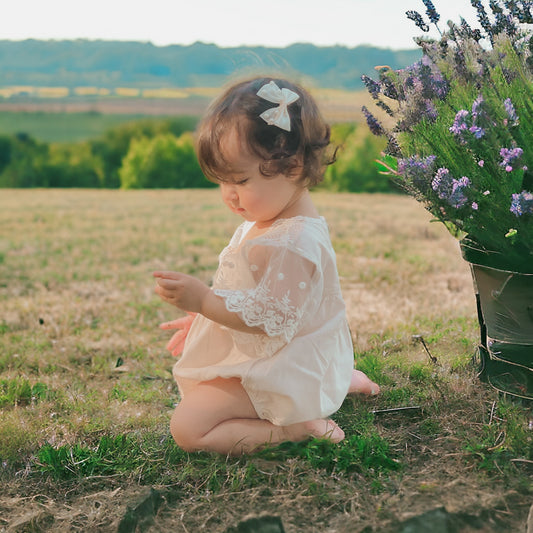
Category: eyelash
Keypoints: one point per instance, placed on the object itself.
(241, 182)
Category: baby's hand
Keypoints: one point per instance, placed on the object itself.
(183, 325)
(181, 290)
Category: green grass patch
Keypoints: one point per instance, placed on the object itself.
(61, 127)
(19, 391)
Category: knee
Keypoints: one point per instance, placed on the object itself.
(183, 434)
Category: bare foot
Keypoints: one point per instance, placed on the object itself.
(320, 428)
(361, 384)
(325, 429)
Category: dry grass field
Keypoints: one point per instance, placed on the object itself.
(337, 105)
(86, 390)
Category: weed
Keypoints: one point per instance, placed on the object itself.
(419, 373)
(504, 436)
(19, 391)
(110, 456)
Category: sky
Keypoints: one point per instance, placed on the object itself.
(227, 23)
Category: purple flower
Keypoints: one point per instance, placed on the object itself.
(457, 197)
(522, 204)
(459, 124)
(375, 127)
(482, 16)
(431, 12)
(418, 20)
(450, 189)
(417, 170)
(442, 182)
(477, 131)
(477, 106)
(373, 87)
(431, 112)
(511, 112)
(510, 156)
(475, 207)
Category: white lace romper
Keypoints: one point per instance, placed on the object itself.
(285, 281)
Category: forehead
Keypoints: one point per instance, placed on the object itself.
(236, 154)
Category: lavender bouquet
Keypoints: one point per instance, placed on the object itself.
(462, 139)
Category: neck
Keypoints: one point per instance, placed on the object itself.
(299, 205)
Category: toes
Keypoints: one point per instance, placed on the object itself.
(325, 429)
(361, 384)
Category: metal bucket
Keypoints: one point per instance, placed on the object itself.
(505, 313)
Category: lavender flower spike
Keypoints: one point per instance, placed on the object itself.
(511, 112)
(450, 189)
(418, 20)
(459, 124)
(375, 127)
(522, 204)
(509, 157)
(374, 88)
(431, 12)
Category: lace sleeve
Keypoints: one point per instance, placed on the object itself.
(287, 286)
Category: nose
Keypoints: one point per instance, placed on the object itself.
(229, 193)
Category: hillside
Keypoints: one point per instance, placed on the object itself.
(136, 64)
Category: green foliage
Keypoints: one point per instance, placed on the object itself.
(113, 146)
(23, 161)
(159, 153)
(502, 437)
(355, 169)
(19, 391)
(364, 453)
(111, 455)
(162, 162)
(72, 165)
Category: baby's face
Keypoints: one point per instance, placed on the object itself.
(247, 192)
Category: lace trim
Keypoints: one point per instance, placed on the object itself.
(259, 308)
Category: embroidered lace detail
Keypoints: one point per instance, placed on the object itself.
(258, 307)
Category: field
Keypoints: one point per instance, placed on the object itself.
(77, 118)
(86, 390)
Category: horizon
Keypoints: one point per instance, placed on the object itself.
(236, 23)
(102, 40)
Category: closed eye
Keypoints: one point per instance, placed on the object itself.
(241, 182)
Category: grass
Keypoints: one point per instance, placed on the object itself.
(86, 390)
(61, 127)
(69, 119)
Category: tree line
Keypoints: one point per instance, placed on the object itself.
(159, 153)
(114, 64)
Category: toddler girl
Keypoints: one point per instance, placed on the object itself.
(268, 354)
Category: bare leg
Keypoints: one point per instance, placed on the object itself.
(218, 416)
(361, 384)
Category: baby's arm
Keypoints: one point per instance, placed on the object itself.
(190, 294)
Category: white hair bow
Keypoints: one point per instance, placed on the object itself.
(278, 116)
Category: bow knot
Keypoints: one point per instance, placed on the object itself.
(277, 116)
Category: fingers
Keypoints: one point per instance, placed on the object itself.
(177, 342)
(175, 324)
(167, 274)
(184, 322)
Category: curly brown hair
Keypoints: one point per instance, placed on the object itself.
(303, 149)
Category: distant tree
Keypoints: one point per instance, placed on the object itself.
(24, 162)
(114, 145)
(355, 169)
(5, 151)
(72, 165)
(163, 161)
